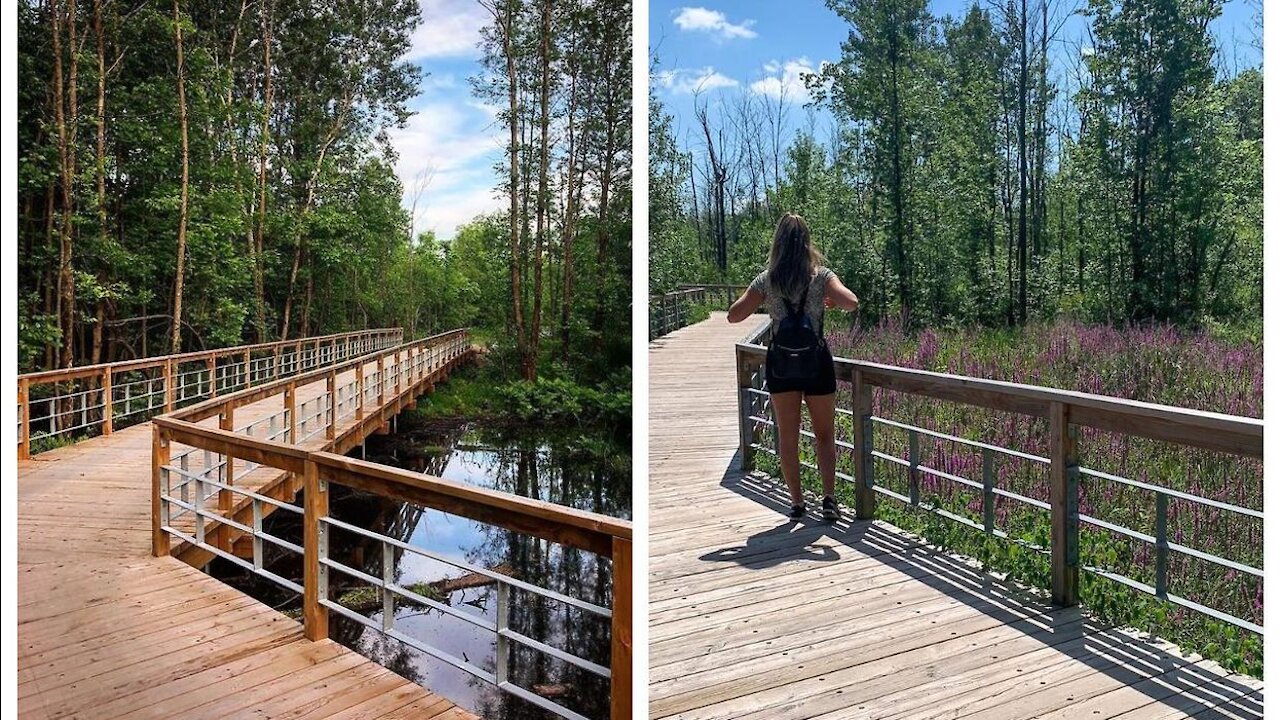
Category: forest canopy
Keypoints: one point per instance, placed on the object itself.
(201, 174)
(978, 172)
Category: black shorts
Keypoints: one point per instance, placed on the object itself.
(824, 383)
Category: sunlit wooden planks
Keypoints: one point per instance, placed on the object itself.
(752, 616)
(106, 631)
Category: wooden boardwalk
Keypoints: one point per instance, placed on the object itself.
(752, 615)
(107, 631)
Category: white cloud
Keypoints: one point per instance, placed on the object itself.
(450, 28)
(700, 19)
(455, 145)
(688, 81)
(785, 80)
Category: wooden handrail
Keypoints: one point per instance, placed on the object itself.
(209, 408)
(604, 535)
(103, 373)
(541, 519)
(82, 371)
(1066, 410)
(1232, 434)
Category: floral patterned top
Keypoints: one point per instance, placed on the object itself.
(813, 305)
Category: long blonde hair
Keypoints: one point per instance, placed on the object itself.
(793, 259)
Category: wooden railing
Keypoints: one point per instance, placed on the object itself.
(673, 310)
(77, 402)
(1065, 411)
(194, 508)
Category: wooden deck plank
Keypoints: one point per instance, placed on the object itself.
(105, 630)
(755, 616)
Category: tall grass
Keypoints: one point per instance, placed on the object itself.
(1154, 363)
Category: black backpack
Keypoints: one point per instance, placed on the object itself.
(796, 348)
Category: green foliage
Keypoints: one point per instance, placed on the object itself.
(969, 167)
(550, 401)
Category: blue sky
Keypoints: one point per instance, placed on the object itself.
(723, 48)
(451, 143)
(448, 149)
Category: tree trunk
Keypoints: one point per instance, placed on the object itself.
(507, 26)
(568, 226)
(175, 343)
(536, 335)
(65, 119)
(264, 132)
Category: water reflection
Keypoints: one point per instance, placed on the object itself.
(582, 472)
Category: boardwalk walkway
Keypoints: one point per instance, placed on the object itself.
(755, 616)
(107, 631)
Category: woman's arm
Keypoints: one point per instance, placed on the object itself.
(745, 306)
(839, 296)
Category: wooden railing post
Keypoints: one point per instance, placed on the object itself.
(399, 373)
(248, 368)
(360, 392)
(382, 381)
(315, 499)
(212, 364)
(291, 411)
(863, 461)
(1063, 472)
(226, 421)
(620, 655)
(159, 458)
(746, 426)
(170, 392)
(331, 388)
(106, 402)
(24, 399)
(275, 363)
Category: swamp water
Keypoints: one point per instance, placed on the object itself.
(584, 470)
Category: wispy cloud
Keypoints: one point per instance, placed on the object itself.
(785, 80)
(450, 28)
(453, 143)
(700, 19)
(688, 81)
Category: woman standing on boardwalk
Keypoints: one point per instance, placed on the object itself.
(796, 288)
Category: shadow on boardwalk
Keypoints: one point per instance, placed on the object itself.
(1179, 683)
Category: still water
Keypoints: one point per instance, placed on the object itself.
(587, 470)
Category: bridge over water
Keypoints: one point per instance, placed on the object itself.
(755, 616)
(186, 457)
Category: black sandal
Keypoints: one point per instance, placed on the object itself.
(830, 509)
(797, 512)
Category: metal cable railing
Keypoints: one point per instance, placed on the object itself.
(201, 500)
(67, 405)
(1066, 411)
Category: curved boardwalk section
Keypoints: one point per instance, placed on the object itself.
(107, 631)
(752, 615)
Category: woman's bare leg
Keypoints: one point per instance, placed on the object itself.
(786, 412)
(822, 411)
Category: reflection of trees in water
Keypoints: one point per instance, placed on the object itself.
(531, 466)
(393, 519)
(548, 473)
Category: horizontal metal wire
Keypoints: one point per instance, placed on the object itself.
(555, 652)
(191, 540)
(413, 642)
(463, 564)
(1174, 493)
(281, 504)
(540, 701)
(1176, 599)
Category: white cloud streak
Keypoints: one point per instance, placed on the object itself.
(687, 81)
(455, 144)
(450, 28)
(700, 19)
(784, 80)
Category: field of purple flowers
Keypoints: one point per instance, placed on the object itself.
(1155, 364)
